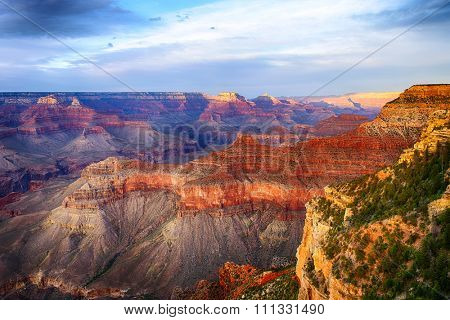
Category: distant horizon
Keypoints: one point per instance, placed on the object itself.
(208, 93)
(225, 91)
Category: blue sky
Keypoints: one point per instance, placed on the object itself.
(288, 47)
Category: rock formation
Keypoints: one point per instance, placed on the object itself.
(244, 282)
(364, 239)
(267, 100)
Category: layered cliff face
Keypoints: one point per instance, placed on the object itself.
(384, 235)
(246, 173)
(263, 112)
(414, 105)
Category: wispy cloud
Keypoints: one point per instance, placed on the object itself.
(286, 47)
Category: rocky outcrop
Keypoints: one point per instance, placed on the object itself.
(205, 184)
(314, 269)
(435, 134)
(377, 143)
(48, 100)
(339, 256)
(244, 282)
(228, 105)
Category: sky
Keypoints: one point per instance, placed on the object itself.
(285, 48)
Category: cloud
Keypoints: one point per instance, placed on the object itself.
(256, 29)
(69, 18)
(410, 12)
(287, 47)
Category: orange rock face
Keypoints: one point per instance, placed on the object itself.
(406, 115)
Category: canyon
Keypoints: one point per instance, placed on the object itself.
(45, 135)
(122, 218)
(420, 113)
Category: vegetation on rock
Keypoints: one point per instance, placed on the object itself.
(410, 258)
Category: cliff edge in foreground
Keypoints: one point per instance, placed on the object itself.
(384, 235)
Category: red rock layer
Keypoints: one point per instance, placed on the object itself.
(338, 124)
(347, 155)
(114, 178)
(46, 118)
